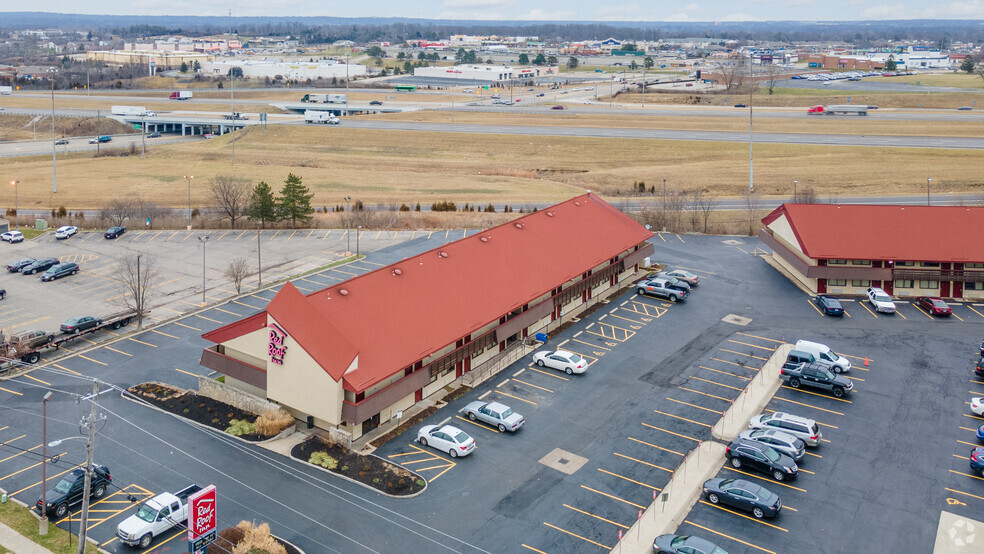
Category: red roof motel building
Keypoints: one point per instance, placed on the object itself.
(907, 250)
(349, 356)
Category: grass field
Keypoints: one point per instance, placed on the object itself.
(393, 167)
(21, 520)
(798, 97)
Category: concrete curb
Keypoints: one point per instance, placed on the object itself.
(671, 505)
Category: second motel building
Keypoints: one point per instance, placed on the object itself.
(350, 355)
(908, 251)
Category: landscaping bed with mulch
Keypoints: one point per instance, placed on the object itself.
(368, 470)
(201, 409)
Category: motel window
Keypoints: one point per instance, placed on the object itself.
(903, 283)
(973, 286)
(930, 264)
(860, 283)
(929, 284)
(905, 264)
(973, 266)
(860, 262)
(837, 282)
(836, 262)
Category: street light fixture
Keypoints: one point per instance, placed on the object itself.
(203, 240)
(664, 205)
(43, 524)
(189, 178)
(14, 183)
(795, 182)
(928, 181)
(357, 233)
(348, 228)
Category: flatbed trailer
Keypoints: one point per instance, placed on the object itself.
(30, 353)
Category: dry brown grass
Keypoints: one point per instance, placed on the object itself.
(257, 538)
(395, 167)
(20, 127)
(803, 98)
(271, 422)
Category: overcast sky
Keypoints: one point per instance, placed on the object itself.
(567, 10)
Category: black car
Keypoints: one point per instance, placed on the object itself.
(38, 265)
(757, 456)
(376, 103)
(740, 106)
(20, 264)
(743, 495)
(979, 368)
(60, 270)
(68, 491)
(114, 232)
(80, 323)
(678, 284)
(829, 305)
(685, 544)
(3, 293)
(155, 134)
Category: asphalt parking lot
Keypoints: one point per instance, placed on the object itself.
(596, 447)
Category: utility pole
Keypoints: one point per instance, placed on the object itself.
(139, 296)
(43, 524)
(232, 108)
(15, 182)
(203, 240)
(259, 258)
(928, 181)
(54, 165)
(348, 228)
(664, 205)
(751, 137)
(91, 423)
(143, 136)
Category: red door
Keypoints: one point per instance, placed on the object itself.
(945, 289)
(821, 285)
(888, 287)
(958, 289)
(419, 395)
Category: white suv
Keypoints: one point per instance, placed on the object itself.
(12, 236)
(881, 301)
(800, 427)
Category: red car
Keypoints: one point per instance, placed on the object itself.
(934, 306)
(558, 107)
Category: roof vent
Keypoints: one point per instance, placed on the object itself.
(576, 203)
(550, 214)
(518, 225)
(343, 292)
(484, 239)
(442, 254)
(397, 272)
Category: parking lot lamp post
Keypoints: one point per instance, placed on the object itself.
(664, 205)
(43, 524)
(357, 233)
(203, 240)
(348, 246)
(928, 181)
(795, 182)
(54, 164)
(189, 178)
(14, 183)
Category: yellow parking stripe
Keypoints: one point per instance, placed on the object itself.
(642, 462)
(118, 351)
(594, 516)
(867, 309)
(208, 319)
(725, 373)
(187, 372)
(650, 487)
(693, 405)
(477, 424)
(66, 369)
(228, 312)
(516, 397)
(671, 432)
(613, 497)
(965, 493)
(549, 374)
(744, 354)
(752, 345)
(530, 547)
(718, 384)
(531, 385)
(34, 379)
(743, 515)
(633, 439)
(706, 394)
(683, 418)
(91, 360)
(812, 305)
(141, 342)
(807, 405)
(817, 394)
(577, 536)
(758, 337)
(773, 481)
(687, 521)
(967, 475)
(163, 333)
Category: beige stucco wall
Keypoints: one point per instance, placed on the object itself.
(250, 348)
(809, 283)
(781, 230)
(303, 385)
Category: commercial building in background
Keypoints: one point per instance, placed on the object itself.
(489, 73)
(295, 71)
(161, 59)
(907, 250)
(349, 356)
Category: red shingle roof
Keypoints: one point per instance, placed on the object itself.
(401, 313)
(886, 232)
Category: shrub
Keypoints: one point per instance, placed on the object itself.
(239, 427)
(226, 540)
(324, 460)
(257, 538)
(271, 422)
(62, 212)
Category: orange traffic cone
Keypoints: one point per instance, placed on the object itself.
(865, 361)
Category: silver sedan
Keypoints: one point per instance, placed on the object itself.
(682, 275)
(495, 414)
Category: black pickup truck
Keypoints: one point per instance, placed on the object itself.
(68, 491)
(815, 375)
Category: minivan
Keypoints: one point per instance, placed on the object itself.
(823, 353)
(60, 270)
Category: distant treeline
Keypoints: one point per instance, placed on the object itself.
(315, 30)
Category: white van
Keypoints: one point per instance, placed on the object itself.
(824, 353)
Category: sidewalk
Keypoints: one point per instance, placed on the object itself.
(15, 542)
(671, 505)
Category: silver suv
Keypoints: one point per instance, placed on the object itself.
(781, 442)
(804, 429)
(660, 287)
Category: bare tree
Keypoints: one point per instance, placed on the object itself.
(138, 279)
(231, 196)
(692, 207)
(148, 210)
(772, 75)
(237, 271)
(806, 196)
(752, 207)
(734, 73)
(119, 210)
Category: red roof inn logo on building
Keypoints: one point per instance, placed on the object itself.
(276, 348)
(201, 518)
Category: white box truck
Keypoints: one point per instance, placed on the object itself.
(338, 99)
(6, 90)
(317, 116)
(181, 95)
(132, 110)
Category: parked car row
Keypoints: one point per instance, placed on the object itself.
(52, 268)
(882, 303)
(63, 232)
(674, 285)
(455, 442)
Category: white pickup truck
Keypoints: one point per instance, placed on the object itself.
(155, 516)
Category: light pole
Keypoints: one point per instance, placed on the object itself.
(189, 178)
(54, 166)
(259, 258)
(15, 182)
(928, 181)
(140, 296)
(795, 182)
(43, 524)
(357, 233)
(87, 487)
(203, 240)
(751, 136)
(348, 238)
(664, 205)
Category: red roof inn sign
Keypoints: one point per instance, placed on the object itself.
(201, 519)
(276, 348)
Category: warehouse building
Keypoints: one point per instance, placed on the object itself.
(907, 250)
(350, 356)
(489, 73)
(293, 71)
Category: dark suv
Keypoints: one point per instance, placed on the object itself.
(68, 491)
(114, 232)
(979, 368)
(60, 270)
(757, 456)
(38, 265)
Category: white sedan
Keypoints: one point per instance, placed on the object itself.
(682, 275)
(448, 439)
(12, 236)
(562, 360)
(977, 405)
(66, 231)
